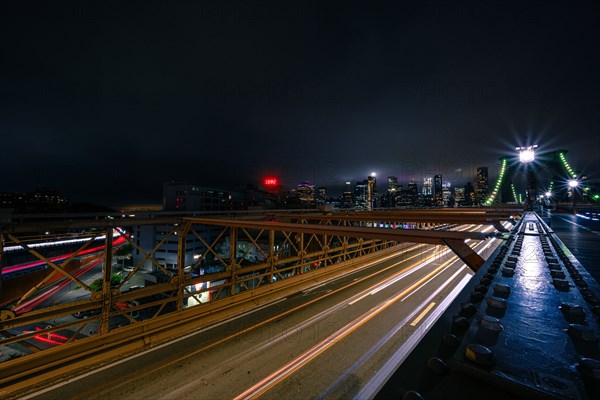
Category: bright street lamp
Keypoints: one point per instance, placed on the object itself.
(526, 154)
(573, 183)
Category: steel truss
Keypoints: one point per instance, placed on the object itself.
(255, 258)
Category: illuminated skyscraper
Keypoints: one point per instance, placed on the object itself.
(371, 191)
(413, 192)
(392, 184)
(347, 200)
(393, 191)
(447, 199)
(481, 185)
(427, 186)
(469, 194)
(306, 193)
(360, 195)
(322, 195)
(459, 195)
(437, 190)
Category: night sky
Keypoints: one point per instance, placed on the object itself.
(106, 102)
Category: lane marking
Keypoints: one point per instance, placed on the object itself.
(423, 313)
(396, 277)
(384, 373)
(359, 299)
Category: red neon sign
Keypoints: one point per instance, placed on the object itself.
(270, 182)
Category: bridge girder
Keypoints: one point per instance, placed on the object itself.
(315, 251)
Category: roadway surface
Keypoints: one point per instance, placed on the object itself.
(338, 340)
(581, 234)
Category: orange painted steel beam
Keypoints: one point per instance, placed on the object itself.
(408, 235)
(471, 218)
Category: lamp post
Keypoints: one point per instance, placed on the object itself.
(526, 157)
(573, 183)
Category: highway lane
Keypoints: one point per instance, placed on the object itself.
(306, 330)
(60, 291)
(362, 348)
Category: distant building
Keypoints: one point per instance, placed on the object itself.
(322, 197)
(184, 197)
(347, 200)
(393, 191)
(360, 195)
(371, 192)
(392, 184)
(426, 198)
(469, 194)
(459, 196)
(481, 185)
(251, 196)
(413, 193)
(41, 200)
(427, 186)
(147, 236)
(306, 193)
(190, 197)
(447, 199)
(437, 191)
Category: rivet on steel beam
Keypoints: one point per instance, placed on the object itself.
(476, 296)
(488, 331)
(485, 282)
(580, 282)
(573, 313)
(481, 288)
(501, 290)
(480, 355)
(561, 284)
(554, 267)
(496, 307)
(589, 369)
(581, 333)
(448, 345)
(596, 313)
(412, 395)
(557, 274)
(467, 310)
(592, 299)
(438, 366)
(459, 325)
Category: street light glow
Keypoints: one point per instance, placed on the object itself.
(527, 154)
(573, 183)
(548, 194)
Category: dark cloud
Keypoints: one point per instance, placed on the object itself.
(107, 101)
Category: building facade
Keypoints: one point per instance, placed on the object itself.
(481, 185)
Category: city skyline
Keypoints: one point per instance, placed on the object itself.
(428, 185)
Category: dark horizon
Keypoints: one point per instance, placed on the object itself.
(106, 102)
